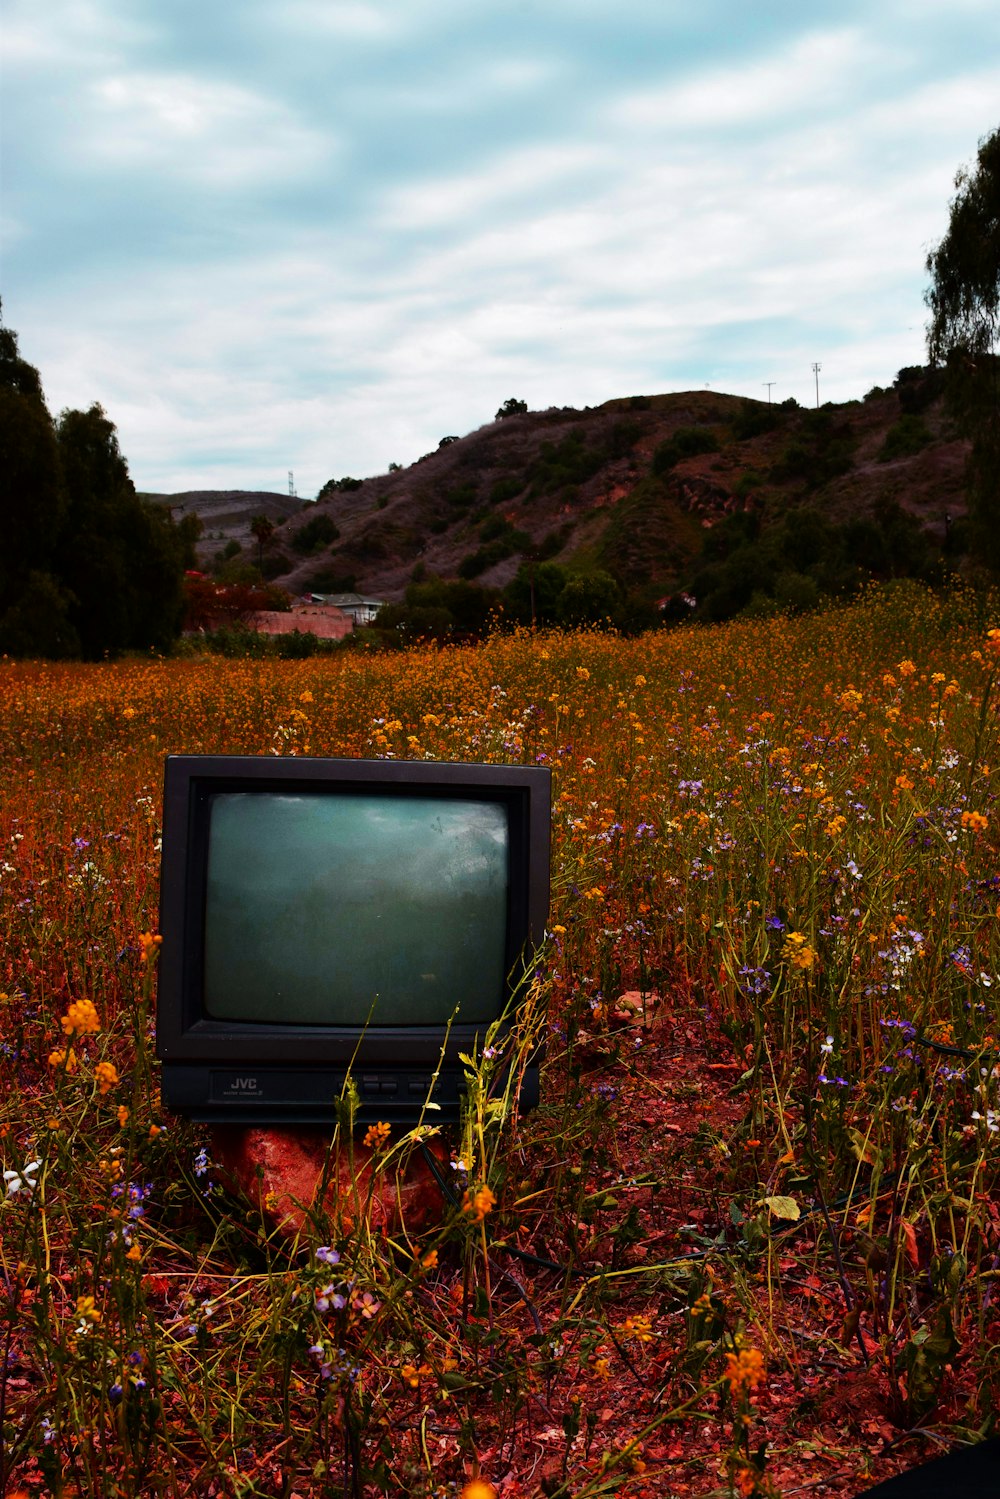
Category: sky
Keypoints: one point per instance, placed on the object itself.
(319, 235)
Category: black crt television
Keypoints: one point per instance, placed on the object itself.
(321, 915)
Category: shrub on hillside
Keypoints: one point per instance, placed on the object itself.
(909, 435)
(316, 535)
(685, 443)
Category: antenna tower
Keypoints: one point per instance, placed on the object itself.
(291, 483)
(816, 370)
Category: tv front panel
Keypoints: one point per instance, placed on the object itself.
(320, 915)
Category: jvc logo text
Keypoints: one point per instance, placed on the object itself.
(245, 1084)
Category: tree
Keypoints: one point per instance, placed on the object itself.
(33, 505)
(123, 560)
(86, 568)
(511, 407)
(263, 529)
(964, 301)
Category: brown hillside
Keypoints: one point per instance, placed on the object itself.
(597, 489)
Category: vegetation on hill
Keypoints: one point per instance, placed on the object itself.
(86, 568)
(645, 511)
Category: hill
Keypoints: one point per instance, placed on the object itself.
(225, 514)
(689, 494)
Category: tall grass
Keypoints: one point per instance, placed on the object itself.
(778, 839)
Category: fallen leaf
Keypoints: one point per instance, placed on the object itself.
(783, 1207)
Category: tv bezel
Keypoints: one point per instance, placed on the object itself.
(186, 1035)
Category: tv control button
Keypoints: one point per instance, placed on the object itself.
(371, 1082)
(390, 1085)
(418, 1086)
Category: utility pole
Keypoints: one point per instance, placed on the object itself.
(291, 482)
(816, 370)
(769, 383)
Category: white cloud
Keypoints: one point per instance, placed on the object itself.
(469, 197)
(199, 128)
(730, 224)
(352, 19)
(814, 71)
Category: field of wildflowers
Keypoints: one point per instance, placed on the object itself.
(751, 1239)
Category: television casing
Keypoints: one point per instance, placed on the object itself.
(255, 1072)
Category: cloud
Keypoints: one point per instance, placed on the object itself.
(198, 128)
(357, 225)
(811, 73)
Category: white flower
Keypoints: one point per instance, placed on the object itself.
(25, 1179)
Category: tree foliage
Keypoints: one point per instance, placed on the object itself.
(964, 296)
(511, 407)
(86, 568)
(964, 301)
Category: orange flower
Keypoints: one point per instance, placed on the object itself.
(377, 1135)
(478, 1488)
(106, 1074)
(81, 1019)
(64, 1060)
(478, 1203)
(149, 946)
(744, 1370)
(638, 1327)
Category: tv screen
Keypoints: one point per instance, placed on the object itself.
(320, 915)
(328, 909)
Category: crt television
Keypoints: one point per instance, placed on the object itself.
(320, 915)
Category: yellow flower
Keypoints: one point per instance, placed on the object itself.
(106, 1074)
(744, 1370)
(906, 668)
(86, 1310)
(850, 700)
(797, 951)
(122, 1115)
(478, 1203)
(993, 642)
(478, 1489)
(81, 1019)
(975, 822)
(64, 1060)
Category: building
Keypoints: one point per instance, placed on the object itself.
(361, 610)
(323, 620)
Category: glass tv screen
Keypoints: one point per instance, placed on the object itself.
(336, 908)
